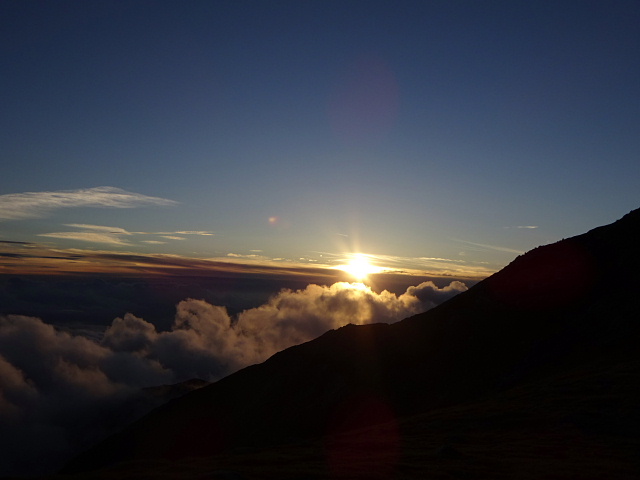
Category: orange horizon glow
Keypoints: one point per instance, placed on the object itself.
(34, 259)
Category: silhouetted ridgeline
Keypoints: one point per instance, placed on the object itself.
(532, 373)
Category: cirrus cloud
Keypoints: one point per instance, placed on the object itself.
(113, 235)
(92, 233)
(17, 206)
(94, 237)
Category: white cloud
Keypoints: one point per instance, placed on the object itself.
(490, 247)
(172, 237)
(96, 234)
(180, 232)
(292, 317)
(105, 234)
(100, 228)
(113, 239)
(251, 256)
(57, 389)
(205, 341)
(16, 206)
(195, 232)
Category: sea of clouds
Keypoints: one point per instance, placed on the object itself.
(61, 391)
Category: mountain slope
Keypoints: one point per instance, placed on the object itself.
(567, 307)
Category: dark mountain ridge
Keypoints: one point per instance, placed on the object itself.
(565, 308)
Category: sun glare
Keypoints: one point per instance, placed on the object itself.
(359, 267)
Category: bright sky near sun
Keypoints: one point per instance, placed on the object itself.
(439, 136)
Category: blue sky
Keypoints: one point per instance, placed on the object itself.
(426, 134)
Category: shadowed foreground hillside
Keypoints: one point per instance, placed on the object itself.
(532, 373)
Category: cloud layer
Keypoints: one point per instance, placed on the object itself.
(37, 204)
(114, 235)
(58, 390)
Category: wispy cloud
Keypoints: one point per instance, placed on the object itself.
(205, 233)
(490, 247)
(17, 206)
(34, 258)
(172, 237)
(95, 234)
(524, 226)
(113, 235)
(100, 228)
(250, 256)
(414, 265)
(31, 258)
(195, 232)
(94, 237)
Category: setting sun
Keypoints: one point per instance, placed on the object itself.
(359, 267)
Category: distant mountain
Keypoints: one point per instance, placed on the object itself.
(532, 373)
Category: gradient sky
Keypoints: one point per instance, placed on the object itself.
(436, 135)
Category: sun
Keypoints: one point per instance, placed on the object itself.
(359, 267)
